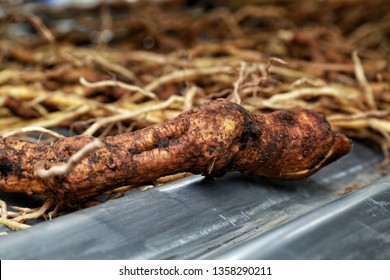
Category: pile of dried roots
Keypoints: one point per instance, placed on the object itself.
(122, 66)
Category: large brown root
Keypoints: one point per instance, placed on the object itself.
(213, 139)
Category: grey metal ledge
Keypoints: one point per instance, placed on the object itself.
(356, 226)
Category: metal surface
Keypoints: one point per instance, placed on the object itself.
(354, 227)
(191, 219)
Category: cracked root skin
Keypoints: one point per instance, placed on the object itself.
(213, 139)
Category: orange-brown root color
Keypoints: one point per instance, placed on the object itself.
(212, 139)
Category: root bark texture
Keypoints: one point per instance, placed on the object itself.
(213, 139)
